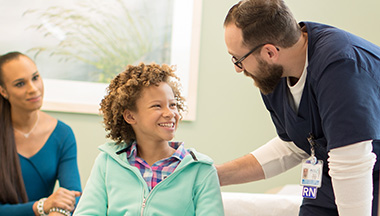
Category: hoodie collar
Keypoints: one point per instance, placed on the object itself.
(116, 151)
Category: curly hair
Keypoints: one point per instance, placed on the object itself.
(126, 88)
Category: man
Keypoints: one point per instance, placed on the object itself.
(321, 86)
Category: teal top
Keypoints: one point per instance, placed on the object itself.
(117, 188)
(56, 160)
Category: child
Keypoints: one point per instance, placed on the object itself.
(143, 172)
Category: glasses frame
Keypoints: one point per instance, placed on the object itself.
(238, 62)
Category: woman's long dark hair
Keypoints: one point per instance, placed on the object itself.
(12, 185)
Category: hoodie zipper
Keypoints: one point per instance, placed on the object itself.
(170, 176)
(143, 205)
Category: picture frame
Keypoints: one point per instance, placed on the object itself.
(84, 97)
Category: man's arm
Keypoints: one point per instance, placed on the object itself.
(242, 170)
(351, 174)
(271, 159)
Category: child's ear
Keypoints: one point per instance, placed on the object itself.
(128, 117)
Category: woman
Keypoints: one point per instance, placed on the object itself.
(36, 149)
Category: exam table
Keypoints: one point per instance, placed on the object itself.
(285, 202)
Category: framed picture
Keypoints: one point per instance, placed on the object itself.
(79, 46)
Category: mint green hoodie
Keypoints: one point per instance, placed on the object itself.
(117, 188)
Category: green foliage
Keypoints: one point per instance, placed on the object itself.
(106, 36)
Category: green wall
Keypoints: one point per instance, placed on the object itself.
(231, 119)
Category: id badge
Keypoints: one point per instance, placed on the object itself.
(311, 177)
(311, 173)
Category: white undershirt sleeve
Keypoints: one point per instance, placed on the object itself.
(351, 173)
(277, 156)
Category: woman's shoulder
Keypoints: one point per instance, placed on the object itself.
(55, 126)
(63, 130)
(63, 125)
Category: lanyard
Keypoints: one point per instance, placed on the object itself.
(312, 143)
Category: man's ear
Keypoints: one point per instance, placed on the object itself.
(3, 92)
(128, 117)
(270, 53)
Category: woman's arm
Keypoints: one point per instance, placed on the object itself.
(21, 209)
(68, 172)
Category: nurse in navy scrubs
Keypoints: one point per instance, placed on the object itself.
(321, 86)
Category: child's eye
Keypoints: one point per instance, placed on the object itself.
(156, 105)
(173, 105)
(36, 77)
(20, 84)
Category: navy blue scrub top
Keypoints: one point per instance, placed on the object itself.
(340, 102)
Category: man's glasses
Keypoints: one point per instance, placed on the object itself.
(238, 62)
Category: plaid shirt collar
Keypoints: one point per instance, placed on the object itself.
(180, 152)
(159, 170)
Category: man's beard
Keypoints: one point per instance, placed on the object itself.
(270, 76)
